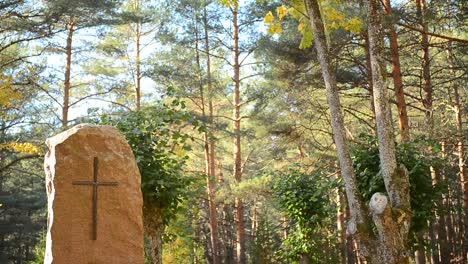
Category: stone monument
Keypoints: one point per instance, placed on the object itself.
(94, 198)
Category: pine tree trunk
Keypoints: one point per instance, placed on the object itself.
(227, 250)
(211, 150)
(210, 179)
(66, 83)
(441, 224)
(462, 169)
(136, 6)
(434, 246)
(457, 107)
(210, 101)
(420, 255)
(397, 80)
(239, 208)
(254, 224)
(369, 74)
(427, 85)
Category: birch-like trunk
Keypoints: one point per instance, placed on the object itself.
(369, 74)
(392, 218)
(358, 223)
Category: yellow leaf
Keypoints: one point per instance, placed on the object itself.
(353, 25)
(301, 27)
(268, 18)
(7, 94)
(229, 3)
(26, 148)
(275, 28)
(281, 11)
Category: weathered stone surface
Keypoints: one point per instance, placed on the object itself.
(119, 225)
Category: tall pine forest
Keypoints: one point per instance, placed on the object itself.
(265, 131)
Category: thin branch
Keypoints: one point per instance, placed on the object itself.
(31, 156)
(113, 102)
(463, 41)
(90, 95)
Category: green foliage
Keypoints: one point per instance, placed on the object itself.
(303, 195)
(159, 143)
(267, 242)
(335, 16)
(39, 251)
(181, 244)
(88, 13)
(305, 198)
(22, 211)
(417, 156)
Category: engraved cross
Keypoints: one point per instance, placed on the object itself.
(95, 185)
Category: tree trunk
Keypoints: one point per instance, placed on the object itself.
(441, 224)
(300, 151)
(397, 81)
(211, 150)
(239, 208)
(434, 245)
(358, 224)
(154, 229)
(392, 235)
(340, 225)
(420, 255)
(350, 252)
(462, 169)
(136, 6)
(304, 259)
(66, 83)
(457, 107)
(369, 74)
(427, 85)
(210, 179)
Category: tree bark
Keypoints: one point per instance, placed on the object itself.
(211, 151)
(397, 80)
(420, 255)
(426, 71)
(392, 235)
(358, 224)
(239, 208)
(209, 163)
(136, 6)
(457, 107)
(369, 74)
(154, 228)
(441, 224)
(340, 225)
(434, 247)
(66, 83)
